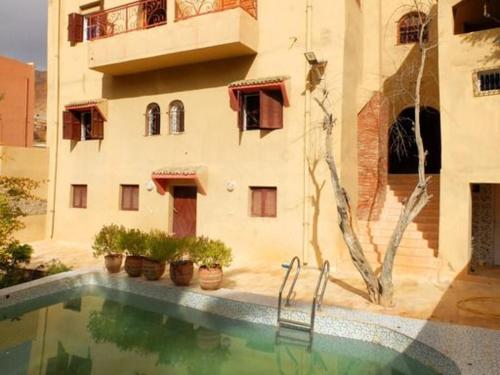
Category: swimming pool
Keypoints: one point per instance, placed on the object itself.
(96, 330)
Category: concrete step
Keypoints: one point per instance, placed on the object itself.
(394, 210)
(404, 260)
(402, 250)
(409, 233)
(406, 242)
(377, 224)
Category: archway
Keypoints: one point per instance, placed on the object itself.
(403, 152)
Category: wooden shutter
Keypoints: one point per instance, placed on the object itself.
(71, 126)
(256, 202)
(75, 28)
(241, 111)
(269, 202)
(130, 198)
(79, 196)
(264, 201)
(271, 109)
(97, 125)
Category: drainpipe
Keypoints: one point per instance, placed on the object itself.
(307, 121)
(58, 90)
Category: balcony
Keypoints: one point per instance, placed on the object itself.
(143, 35)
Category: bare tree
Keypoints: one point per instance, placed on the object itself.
(380, 288)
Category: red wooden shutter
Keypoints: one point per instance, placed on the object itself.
(71, 126)
(241, 111)
(256, 202)
(75, 28)
(269, 202)
(79, 196)
(271, 109)
(97, 126)
(130, 198)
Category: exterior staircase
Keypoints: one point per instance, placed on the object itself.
(418, 250)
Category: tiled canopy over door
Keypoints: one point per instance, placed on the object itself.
(184, 224)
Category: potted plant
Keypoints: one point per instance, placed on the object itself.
(211, 256)
(106, 243)
(181, 263)
(159, 247)
(132, 242)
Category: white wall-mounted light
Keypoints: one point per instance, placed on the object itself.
(150, 185)
(230, 186)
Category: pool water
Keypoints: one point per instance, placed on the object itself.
(100, 331)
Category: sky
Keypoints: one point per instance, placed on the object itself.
(23, 31)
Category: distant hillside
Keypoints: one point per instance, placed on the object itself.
(40, 130)
(40, 94)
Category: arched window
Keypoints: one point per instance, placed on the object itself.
(409, 27)
(176, 117)
(153, 117)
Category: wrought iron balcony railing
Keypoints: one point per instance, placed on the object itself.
(138, 15)
(192, 8)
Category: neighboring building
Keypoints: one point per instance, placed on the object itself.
(18, 156)
(199, 118)
(17, 93)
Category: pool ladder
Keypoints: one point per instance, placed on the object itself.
(316, 302)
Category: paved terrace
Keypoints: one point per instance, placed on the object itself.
(474, 301)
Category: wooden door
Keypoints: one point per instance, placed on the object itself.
(184, 223)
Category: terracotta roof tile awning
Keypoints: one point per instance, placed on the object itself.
(100, 104)
(270, 83)
(165, 176)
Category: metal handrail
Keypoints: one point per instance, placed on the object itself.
(280, 296)
(320, 291)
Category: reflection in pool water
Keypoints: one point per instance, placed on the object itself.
(109, 332)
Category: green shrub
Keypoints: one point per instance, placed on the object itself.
(211, 253)
(132, 242)
(55, 266)
(13, 254)
(160, 246)
(107, 241)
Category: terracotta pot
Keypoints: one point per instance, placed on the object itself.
(210, 278)
(208, 340)
(113, 262)
(152, 270)
(181, 272)
(133, 265)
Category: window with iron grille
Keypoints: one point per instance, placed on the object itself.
(79, 196)
(409, 28)
(129, 198)
(488, 81)
(176, 117)
(153, 119)
(263, 201)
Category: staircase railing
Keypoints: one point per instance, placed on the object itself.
(319, 293)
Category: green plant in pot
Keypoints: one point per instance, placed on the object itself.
(211, 256)
(132, 242)
(181, 261)
(159, 248)
(107, 243)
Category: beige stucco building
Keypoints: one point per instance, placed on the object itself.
(201, 119)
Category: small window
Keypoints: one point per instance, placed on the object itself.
(79, 196)
(409, 28)
(487, 82)
(176, 117)
(263, 201)
(83, 124)
(261, 110)
(129, 197)
(153, 119)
